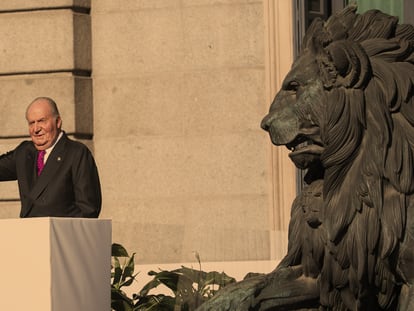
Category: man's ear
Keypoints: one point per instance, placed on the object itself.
(59, 122)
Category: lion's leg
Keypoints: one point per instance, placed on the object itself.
(406, 270)
(288, 289)
(406, 300)
(406, 263)
(284, 289)
(234, 297)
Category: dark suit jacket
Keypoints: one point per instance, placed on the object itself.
(67, 187)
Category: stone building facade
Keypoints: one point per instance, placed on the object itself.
(169, 96)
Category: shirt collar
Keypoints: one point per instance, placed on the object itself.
(49, 150)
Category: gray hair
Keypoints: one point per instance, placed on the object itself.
(51, 102)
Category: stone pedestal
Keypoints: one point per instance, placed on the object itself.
(55, 264)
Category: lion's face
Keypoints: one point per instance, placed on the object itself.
(296, 113)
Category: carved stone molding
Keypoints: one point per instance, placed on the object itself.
(278, 59)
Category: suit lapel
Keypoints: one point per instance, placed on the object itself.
(31, 167)
(28, 183)
(53, 163)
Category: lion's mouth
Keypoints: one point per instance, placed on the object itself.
(305, 150)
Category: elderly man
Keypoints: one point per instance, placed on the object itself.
(57, 176)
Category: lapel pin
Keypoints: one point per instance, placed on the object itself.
(59, 159)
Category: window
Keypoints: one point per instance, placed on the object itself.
(306, 11)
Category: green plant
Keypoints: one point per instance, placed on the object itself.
(189, 287)
(122, 275)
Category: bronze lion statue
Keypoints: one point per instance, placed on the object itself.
(346, 112)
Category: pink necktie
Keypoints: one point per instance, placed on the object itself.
(40, 161)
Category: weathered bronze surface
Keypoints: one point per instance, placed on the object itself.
(346, 112)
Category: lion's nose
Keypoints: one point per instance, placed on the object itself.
(265, 124)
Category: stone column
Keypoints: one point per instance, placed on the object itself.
(278, 59)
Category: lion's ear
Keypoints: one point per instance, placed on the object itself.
(351, 63)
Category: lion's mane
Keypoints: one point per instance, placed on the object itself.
(367, 65)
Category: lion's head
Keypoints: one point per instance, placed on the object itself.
(346, 112)
(350, 66)
(349, 97)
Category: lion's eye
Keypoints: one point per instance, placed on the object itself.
(292, 86)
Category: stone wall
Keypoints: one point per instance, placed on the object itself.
(169, 95)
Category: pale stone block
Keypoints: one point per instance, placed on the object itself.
(42, 4)
(167, 243)
(193, 38)
(137, 42)
(181, 103)
(152, 242)
(205, 220)
(226, 165)
(167, 185)
(226, 243)
(9, 191)
(248, 211)
(224, 35)
(130, 5)
(72, 94)
(10, 209)
(42, 41)
(220, 2)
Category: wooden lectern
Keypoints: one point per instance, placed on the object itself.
(55, 264)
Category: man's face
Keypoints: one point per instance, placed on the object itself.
(44, 128)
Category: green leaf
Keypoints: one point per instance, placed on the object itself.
(155, 303)
(216, 278)
(128, 282)
(176, 282)
(195, 276)
(150, 285)
(120, 301)
(118, 250)
(173, 280)
(129, 268)
(117, 272)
